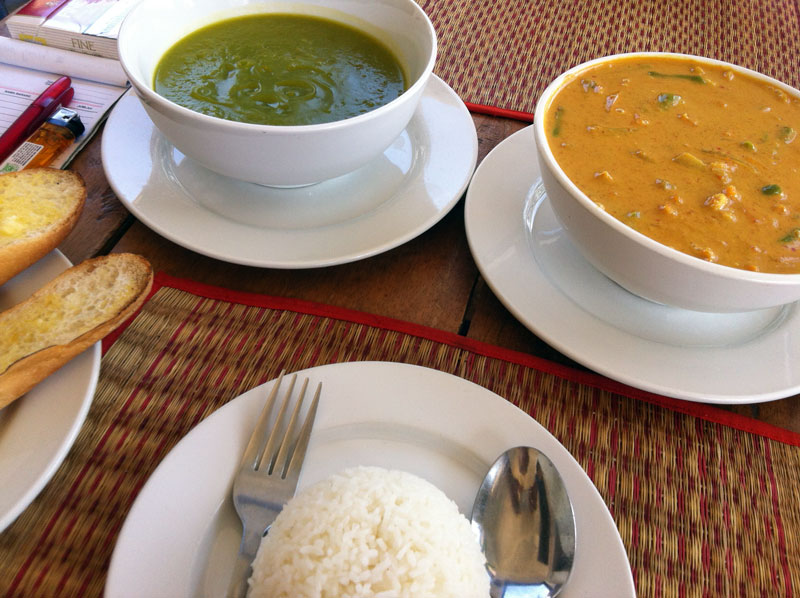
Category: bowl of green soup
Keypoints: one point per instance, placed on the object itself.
(678, 177)
(279, 93)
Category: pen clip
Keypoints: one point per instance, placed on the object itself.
(62, 99)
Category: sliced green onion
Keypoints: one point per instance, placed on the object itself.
(557, 121)
(692, 78)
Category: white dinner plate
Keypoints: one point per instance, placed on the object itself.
(181, 535)
(37, 430)
(533, 268)
(391, 200)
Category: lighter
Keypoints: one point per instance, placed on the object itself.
(49, 140)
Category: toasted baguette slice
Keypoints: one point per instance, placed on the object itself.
(66, 316)
(38, 208)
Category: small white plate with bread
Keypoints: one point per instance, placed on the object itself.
(52, 317)
(37, 431)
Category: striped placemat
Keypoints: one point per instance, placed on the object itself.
(706, 502)
(499, 55)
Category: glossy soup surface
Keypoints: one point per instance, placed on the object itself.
(279, 69)
(697, 157)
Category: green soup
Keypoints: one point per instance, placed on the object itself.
(279, 69)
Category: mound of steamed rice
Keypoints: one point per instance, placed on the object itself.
(370, 532)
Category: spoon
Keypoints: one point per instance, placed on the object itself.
(524, 520)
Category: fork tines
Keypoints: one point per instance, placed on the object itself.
(280, 451)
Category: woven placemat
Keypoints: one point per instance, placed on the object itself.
(499, 55)
(706, 502)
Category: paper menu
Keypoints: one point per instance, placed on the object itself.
(20, 85)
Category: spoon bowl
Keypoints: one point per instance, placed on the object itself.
(524, 520)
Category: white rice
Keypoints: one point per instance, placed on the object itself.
(370, 532)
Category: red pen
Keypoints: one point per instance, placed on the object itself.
(58, 94)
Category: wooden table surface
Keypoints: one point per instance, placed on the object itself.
(431, 280)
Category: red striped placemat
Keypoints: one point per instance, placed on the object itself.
(706, 501)
(499, 55)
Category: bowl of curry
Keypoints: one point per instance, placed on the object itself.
(678, 177)
(279, 93)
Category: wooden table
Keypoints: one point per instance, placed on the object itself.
(431, 280)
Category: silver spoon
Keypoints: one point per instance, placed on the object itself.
(524, 520)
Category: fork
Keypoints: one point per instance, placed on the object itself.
(268, 475)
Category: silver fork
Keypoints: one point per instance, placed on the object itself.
(268, 474)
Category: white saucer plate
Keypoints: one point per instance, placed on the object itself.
(181, 535)
(386, 203)
(533, 268)
(37, 430)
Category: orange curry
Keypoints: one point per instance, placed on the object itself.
(698, 157)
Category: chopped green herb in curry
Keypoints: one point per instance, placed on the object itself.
(557, 121)
(693, 78)
(668, 100)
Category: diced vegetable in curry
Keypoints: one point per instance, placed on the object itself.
(698, 157)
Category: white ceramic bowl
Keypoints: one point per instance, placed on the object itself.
(278, 155)
(638, 263)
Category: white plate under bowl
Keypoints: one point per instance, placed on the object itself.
(391, 200)
(37, 430)
(181, 535)
(530, 264)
